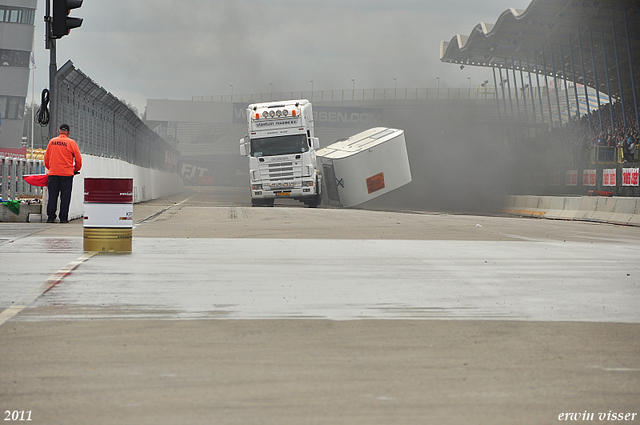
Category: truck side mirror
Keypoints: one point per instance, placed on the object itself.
(316, 142)
(243, 148)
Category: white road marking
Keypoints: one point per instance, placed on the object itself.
(54, 280)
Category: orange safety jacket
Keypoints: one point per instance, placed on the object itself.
(60, 154)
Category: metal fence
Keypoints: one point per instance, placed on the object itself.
(608, 155)
(104, 126)
(483, 91)
(477, 92)
(12, 171)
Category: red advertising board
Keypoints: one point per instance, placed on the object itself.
(17, 153)
(609, 177)
(108, 191)
(205, 180)
(630, 176)
(571, 178)
(589, 177)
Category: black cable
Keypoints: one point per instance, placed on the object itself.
(43, 116)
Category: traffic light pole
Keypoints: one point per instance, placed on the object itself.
(53, 69)
(53, 91)
(58, 24)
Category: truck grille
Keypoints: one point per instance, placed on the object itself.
(281, 171)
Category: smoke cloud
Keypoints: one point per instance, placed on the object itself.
(176, 50)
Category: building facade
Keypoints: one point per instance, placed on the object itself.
(17, 28)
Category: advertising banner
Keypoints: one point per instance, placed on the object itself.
(609, 177)
(346, 117)
(630, 176)
(328, 116)
(16, 153)
(589, 177)
(240, 113)
(571, 178)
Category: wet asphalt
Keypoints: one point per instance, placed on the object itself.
(233, 314)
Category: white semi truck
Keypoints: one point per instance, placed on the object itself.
(281, 146)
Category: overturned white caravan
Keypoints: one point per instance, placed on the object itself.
(365, 166)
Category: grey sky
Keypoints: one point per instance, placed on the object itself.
(175, 50)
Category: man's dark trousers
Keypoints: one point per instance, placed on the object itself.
(59, 185)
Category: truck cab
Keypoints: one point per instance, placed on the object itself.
(281, 146)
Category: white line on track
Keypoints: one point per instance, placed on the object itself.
(165, 210)
(54, 280)
(57, 277)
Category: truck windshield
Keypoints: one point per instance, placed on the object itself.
(280, 145)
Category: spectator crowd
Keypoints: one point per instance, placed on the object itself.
(612, 133)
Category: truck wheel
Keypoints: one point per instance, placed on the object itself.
(315, 201)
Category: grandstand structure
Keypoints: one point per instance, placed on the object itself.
(588, 51)
(587, 55)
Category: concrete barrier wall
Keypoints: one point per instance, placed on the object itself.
(556, 207)
(148, 184)
(615, 210)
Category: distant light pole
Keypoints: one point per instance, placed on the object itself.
(438, 92)
(311, 90)
(469, 79)
(395, 87)
(353, 92)
(271, 85)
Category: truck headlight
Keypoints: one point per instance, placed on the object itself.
(256, 187)
(307, 184)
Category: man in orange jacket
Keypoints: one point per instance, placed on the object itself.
(63, 160)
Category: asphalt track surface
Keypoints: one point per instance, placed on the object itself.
(229, 314)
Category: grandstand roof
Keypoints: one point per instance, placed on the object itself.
(557, 29)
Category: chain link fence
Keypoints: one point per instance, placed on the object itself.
(104, 126)
(101, 124)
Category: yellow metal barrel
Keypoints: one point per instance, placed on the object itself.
(107, 239)
(108, 214)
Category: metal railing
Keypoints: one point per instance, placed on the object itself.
(478, 92)
(608, 155)
(12, 181)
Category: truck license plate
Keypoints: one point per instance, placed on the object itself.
(283, 193)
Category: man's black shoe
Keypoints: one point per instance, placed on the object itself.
(50, 221)
(64, 221)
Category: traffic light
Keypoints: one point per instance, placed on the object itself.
(62, 23)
